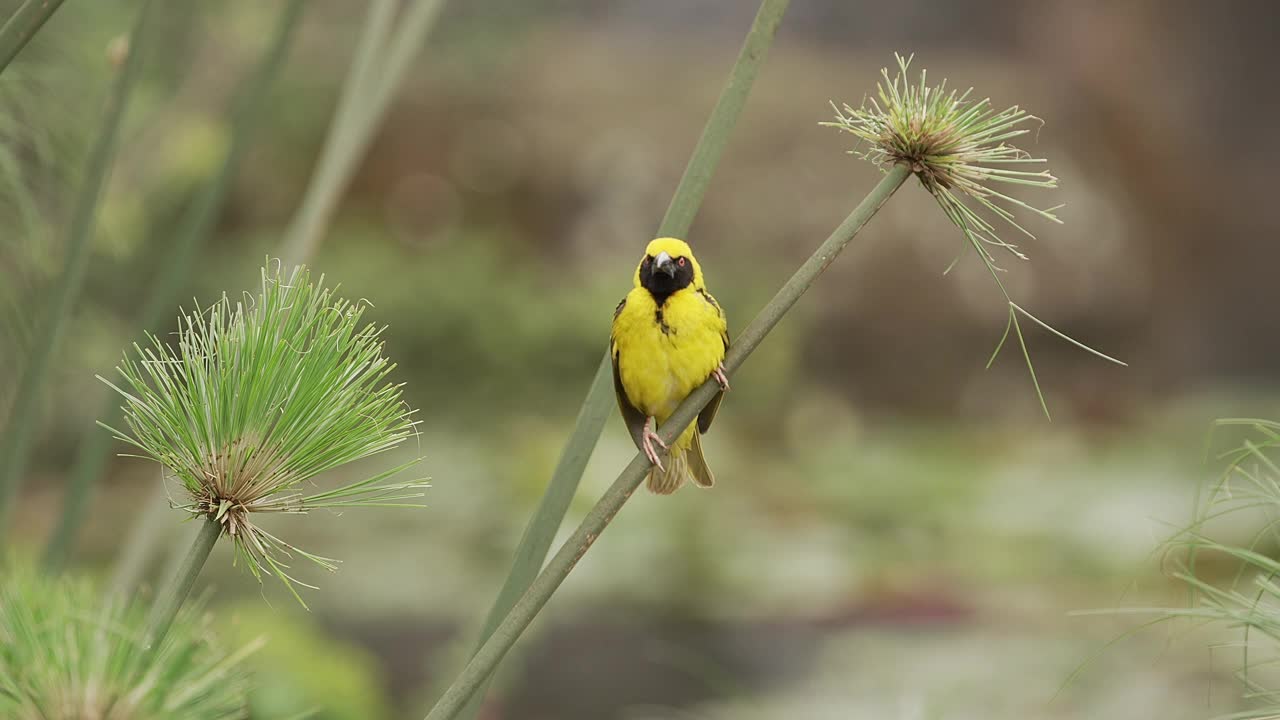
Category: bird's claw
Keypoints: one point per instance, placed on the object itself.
(721, 378)
(650, 437)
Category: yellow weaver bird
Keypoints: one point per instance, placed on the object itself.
(669, 335)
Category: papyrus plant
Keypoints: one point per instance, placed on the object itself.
(391, 40)
(957, 147)
(65, 652)
(179, 256)
(252, 400)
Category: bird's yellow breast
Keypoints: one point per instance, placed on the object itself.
(665, 352)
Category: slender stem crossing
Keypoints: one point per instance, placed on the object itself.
(559, 567)
(598, 405)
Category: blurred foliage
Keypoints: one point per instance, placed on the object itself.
(68, 652)
(304, 669)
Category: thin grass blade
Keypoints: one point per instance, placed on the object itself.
(382, 60)
(15, 444)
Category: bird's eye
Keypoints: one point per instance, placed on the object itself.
(680, 262)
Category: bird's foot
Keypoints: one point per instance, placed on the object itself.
(720, 377)
(648, 439)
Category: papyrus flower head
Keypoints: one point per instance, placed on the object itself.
(958, 148)
(258, 397)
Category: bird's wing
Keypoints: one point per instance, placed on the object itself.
(633, 418)
(709, 412)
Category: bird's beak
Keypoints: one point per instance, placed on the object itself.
(663, 263)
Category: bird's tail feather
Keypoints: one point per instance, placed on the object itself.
(682, 465)
(668, 478)
(698, 470)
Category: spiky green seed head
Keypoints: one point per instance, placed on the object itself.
(255, 398)
(955, 145)
(958, 148)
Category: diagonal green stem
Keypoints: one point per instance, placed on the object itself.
(532, 602)
(357, 87)
(23, 25)
(175, 593)
(598, 405)
(197, 224)
(15, 443)
(382, 60)
(715, 136)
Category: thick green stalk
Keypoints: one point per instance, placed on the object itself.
(599, 403)
(23, 25)
(196, 227)
(175, 594)
(532, 602)
(383, 57)
(15, 443)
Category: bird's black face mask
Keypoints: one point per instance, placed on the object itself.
(664, 275)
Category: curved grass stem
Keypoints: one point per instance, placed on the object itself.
(559, 567)
(1012, 324)
(536, 541)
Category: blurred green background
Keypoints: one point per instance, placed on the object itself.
(897, 532)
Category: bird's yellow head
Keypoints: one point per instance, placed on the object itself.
(668, 266)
